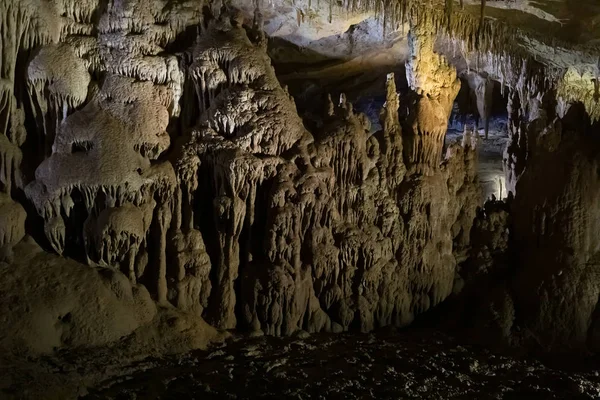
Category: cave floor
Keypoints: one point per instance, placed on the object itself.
(384, 365)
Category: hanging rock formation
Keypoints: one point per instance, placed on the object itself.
(481, 89)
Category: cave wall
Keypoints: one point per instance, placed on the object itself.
(555, 220)
(154, 141)
(191, 175)
(531, 274)
(321, 231)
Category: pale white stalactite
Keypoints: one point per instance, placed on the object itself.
(481, 89)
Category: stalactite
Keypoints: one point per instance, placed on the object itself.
(482, 14)
(164, 220)
(449, 8)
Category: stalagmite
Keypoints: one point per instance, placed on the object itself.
(191, 283)
(164, 220)
(391, 142)
(482, 89)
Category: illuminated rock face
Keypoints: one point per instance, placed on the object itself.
(436, 86)
(320, 231)
(251, 221)
(166, 152)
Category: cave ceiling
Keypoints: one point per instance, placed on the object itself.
(343, 46)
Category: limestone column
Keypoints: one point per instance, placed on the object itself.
(435, 87)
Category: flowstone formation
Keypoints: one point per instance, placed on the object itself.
(152, 148)
(436, 86)
(322, 231)
(249, 221)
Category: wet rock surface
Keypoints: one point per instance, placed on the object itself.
(409, 364)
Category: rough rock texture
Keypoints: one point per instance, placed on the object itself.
(260, 224)
(48, 303)
(394, 364)
(554, 225)
(250, 220)
(532, 268)
(322, 232)
(153, 141)
(436, 86)
(90, 109)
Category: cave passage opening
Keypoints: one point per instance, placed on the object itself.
(465, 116)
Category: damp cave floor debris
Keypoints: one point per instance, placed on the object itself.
(385, 365)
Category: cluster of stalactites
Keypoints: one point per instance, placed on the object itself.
(580, 86)
(132, 36)
(23, 25)
(153, 22)
(160, 183)
(103, 152)
(225, 62)
(238, 94)
(26, 24)
(486, 45)
(57, 81)
(477, 33)
(117, 235)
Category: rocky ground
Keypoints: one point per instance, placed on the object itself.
(411, 365)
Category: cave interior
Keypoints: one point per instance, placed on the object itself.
(244, 186)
